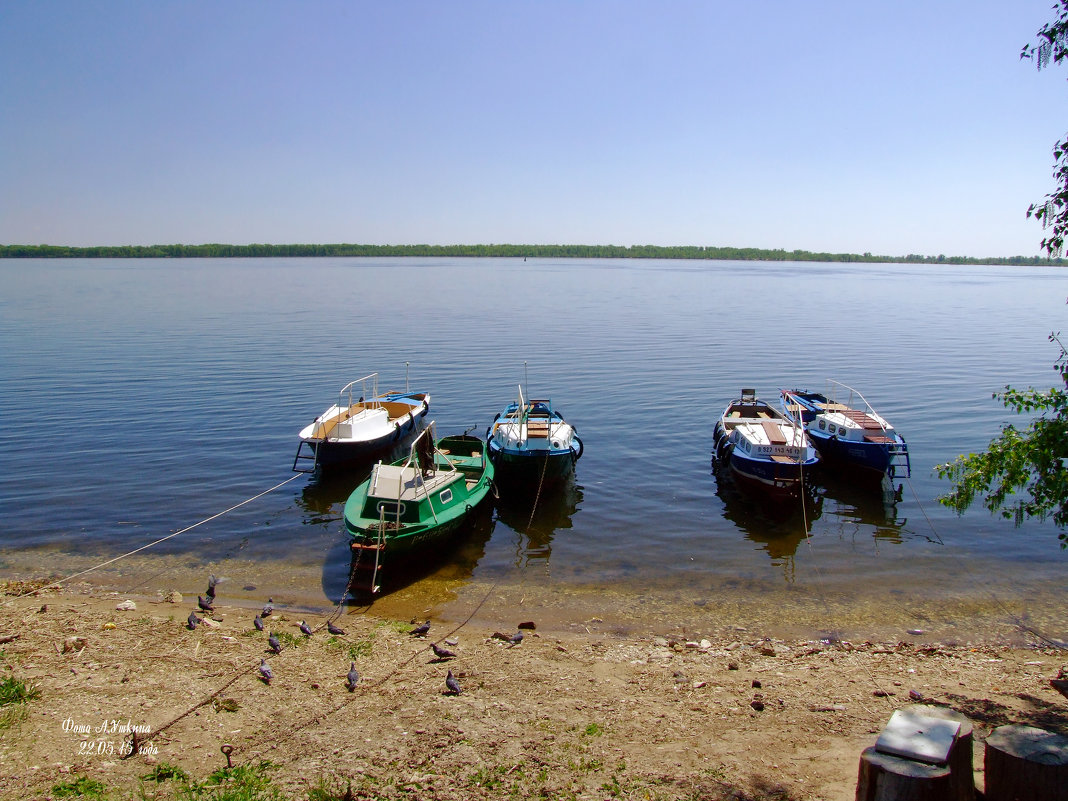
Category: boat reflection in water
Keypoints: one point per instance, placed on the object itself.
(777, 527)
(863, 508)
(323, 497)
(536, 516)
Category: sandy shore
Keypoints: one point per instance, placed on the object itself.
(565, 713)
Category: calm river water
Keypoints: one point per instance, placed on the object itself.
(139, 397)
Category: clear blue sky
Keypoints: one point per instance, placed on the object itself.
(893, 127)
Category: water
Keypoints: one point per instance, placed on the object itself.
(140, 397)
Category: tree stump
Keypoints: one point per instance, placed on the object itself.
(961, 756)
(1026, 764)
(884, 777)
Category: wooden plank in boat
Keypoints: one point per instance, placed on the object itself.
(773, 432)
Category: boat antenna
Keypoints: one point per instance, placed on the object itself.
(526, 381)
(406, 376)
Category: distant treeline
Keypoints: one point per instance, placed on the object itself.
(478, 251)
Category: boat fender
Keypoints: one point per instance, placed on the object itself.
(467, 508)
(578, 453)
(426, 408)
(396, 431)
(411, 421)
(496, 417)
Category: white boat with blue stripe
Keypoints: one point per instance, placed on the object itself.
(764, 449)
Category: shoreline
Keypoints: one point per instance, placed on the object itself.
(583, 711)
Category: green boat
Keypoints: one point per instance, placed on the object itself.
(410, 508)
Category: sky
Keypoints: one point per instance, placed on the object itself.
(825, 125)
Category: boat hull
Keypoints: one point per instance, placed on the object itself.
(335, 454)
(440, 506)
(532, 467)
(865, 443)
(776, 468)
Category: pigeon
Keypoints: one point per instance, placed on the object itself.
(205, 605)
(212, 581)
(305, 629)
(192, 620)
(352, 678)
(258, 623)
(268, 610)
(441, 653)
(515, 639)
(265, 671)
(421, 631)
(452, 684)
(333, 629)
(275, 645)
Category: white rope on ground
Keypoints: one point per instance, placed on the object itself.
(61, 581)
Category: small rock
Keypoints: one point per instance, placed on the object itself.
(732, 666)
(916, 632)
(126, 606)
(916, 696)
(660, 642)
(528, 624)
(757, 705)
(174, 597)
(108, 626)
(697, 685)
(756, 684)
(74, 644)
(705, 645)
(767, 650)
(211, 624)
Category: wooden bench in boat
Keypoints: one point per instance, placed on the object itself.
(863, 419)
(537, 430)
(773, 432)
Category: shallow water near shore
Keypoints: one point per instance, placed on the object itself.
(141, 397)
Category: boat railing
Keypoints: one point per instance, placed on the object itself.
(367, 393)
(874, 415)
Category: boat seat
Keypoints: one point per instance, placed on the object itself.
(879, 439)
(773, 432)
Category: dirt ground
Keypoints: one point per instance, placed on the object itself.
(563, 714)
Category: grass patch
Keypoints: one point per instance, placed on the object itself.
(594, 730)
(241, 783)
(361, 649)
(163, 772)
(81, 787)
(290, 640)
(16, 691)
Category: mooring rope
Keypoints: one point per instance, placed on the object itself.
(1013, 618)
(60, 582)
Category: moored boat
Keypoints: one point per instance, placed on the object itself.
(763, 448)
(408, 508)
(846, 430)
(362, 424)
(530, 442)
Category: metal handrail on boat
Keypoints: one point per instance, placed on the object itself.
(365, 396)
(878, 418)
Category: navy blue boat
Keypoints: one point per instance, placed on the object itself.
(531, 443)
(765, 449)
(847, 435)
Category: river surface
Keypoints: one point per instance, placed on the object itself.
(141, 397)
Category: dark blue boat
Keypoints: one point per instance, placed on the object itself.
(848, 432)
(531, 443)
